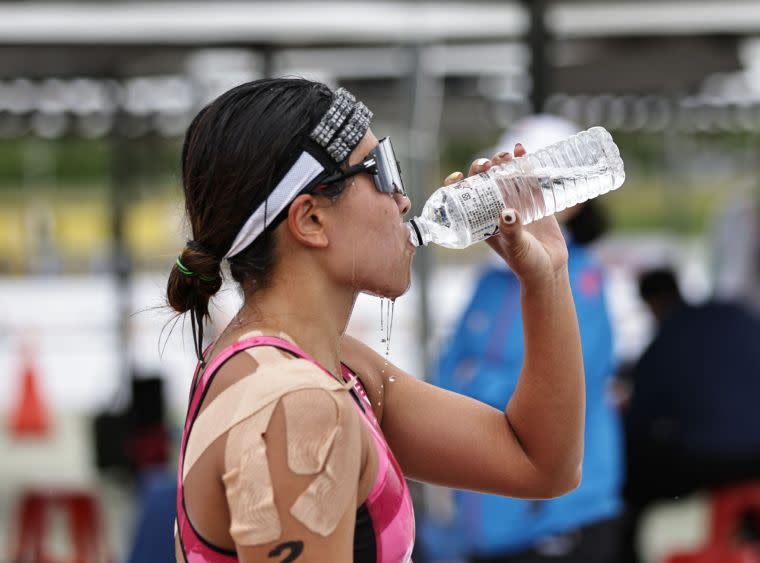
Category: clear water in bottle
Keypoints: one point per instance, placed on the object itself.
(538, 184)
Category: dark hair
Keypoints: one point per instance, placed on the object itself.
(235, 152)
(588, 224)
(659, 283)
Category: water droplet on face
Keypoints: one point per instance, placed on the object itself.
(392, 378)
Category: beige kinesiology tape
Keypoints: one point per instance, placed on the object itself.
(319, 443)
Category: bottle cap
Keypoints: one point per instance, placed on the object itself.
(415, 236)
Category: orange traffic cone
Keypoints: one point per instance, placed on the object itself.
(29, 417)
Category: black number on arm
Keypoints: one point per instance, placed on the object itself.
(295, 547)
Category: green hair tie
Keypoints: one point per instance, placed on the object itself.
(185, 271)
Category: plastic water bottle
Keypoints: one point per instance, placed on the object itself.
(549, 180)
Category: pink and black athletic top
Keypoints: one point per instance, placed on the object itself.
(384, 530)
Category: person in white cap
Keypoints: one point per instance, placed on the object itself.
(483, 360)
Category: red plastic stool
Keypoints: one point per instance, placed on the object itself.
(729, 504)
(86, 534)
(718, 554)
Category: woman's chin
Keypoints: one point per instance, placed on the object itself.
(390, 292)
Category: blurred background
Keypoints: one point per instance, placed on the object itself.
(94, 100)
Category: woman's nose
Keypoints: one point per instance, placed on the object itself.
(403, 202)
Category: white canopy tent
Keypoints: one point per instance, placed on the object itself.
(318, 23)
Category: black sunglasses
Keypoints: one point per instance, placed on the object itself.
(382, 164)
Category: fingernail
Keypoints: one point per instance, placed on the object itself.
(482, 161)
(503, 154)
(509, 216)
(454, 176)
(519, 146)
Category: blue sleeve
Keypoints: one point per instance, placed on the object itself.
(483, 357)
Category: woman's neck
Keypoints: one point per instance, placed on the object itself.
(313, 314)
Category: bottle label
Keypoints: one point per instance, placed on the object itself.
(481, 203)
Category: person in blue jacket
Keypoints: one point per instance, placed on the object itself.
(583, 526)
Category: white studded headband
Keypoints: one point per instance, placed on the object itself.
(338, 132)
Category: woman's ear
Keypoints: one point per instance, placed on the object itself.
(306, 220)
